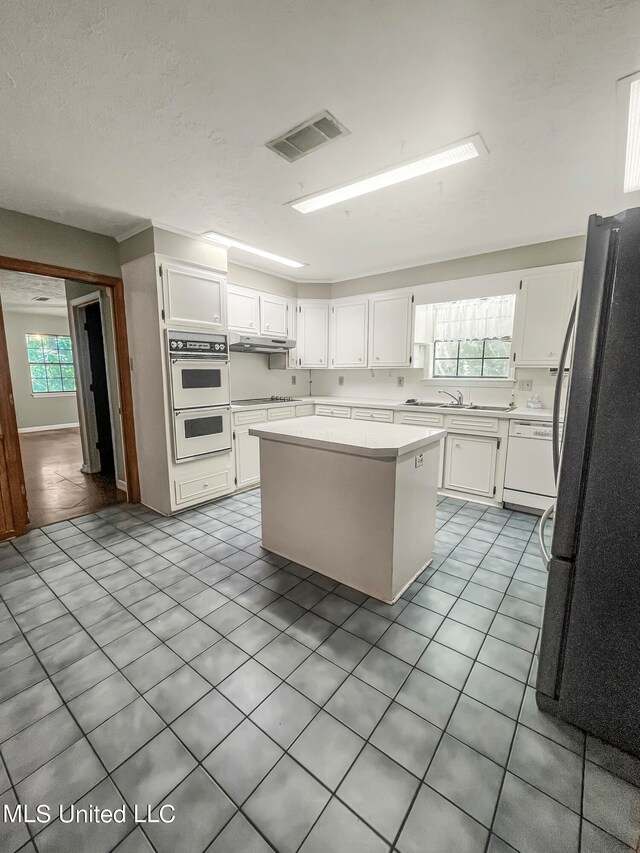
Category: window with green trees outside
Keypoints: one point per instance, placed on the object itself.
(51, 363)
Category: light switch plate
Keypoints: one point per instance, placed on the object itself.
(400, 381)
(294, 379)
(340, 380)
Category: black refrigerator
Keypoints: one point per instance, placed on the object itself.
(589, 656)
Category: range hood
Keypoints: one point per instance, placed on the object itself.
(258, 343)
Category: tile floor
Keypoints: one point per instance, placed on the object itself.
(160, 661)
(56, 487)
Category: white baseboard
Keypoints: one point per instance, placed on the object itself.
(48, 427)
(121, 484)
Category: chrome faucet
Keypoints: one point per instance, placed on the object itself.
(458, 398)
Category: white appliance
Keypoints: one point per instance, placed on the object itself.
(200, 393)
(199, 432)
(529, 480)
(260, 343)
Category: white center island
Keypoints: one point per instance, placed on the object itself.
(355, 501)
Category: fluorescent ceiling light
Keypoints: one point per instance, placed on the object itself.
(236, 244)
(467, 149)
(632, 153)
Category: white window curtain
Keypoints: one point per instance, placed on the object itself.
(474, 319)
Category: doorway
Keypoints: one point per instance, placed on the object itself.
(65, 389)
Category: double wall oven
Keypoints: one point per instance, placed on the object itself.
(200, 393)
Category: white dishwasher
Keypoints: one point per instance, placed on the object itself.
(528, 480)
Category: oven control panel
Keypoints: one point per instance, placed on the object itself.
(197, 345)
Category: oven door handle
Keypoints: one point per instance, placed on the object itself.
(213, 409)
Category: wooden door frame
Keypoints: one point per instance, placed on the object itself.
(7, 409)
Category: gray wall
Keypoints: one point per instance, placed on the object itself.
(33, 239)
(75, 289)
(35, 411)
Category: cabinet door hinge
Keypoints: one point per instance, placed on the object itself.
(514, 356)
(520, 285)
(235, 481)
(234, 436)
(162, 313)
(494, 491)
(333, 310)
(413, 299)
(410, 359)
(498, 445)
(160, 270)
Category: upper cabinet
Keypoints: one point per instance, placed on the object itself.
(193, 296)
(313, 333)
(543, 307)
(273, 315)
(349, 332)
(243, 306)
(390, 328)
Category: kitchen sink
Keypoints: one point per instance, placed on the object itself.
(456, 406)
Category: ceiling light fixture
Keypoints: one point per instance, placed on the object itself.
(466, 149)
(630, 97)
(243, 247)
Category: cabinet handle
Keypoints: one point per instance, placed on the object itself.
(377, 358)
(457, 444)
(251, 323)
(359, 359)
(319, 361)
(267, 325)
(206, 485)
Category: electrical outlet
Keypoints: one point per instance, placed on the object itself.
(341, 380)
(525, 384)
(294, 379)
(400, 381)
(419, 461)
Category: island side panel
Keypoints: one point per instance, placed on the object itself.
(332, 512)
(415, 514)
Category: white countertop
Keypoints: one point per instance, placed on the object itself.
(520, 413)
(358, 438)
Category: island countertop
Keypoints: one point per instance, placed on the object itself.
(358, 438)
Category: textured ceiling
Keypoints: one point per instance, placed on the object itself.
(20, 292)
(115, 112)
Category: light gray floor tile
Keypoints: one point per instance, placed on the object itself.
(340, 829)
(327, 749)
(435, 825)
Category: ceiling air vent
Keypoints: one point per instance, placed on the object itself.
(308, 136)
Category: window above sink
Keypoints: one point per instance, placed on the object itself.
(466, 340)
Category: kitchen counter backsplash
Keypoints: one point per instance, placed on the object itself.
(383, 384)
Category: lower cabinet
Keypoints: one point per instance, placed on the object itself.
(470, 464)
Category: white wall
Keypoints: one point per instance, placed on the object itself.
(251, 377)
(35, 411)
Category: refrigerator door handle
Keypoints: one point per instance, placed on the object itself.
(558, 393)
(546, 556)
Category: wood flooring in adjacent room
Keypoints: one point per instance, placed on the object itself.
(56, 487)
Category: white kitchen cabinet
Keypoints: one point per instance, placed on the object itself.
(193, 296)
(313, 333)
(378, 415)
(333, 411)
(243, 308)
(247, 447)
(349, 332)
(273, 315)
(470, 464)
(543, 306)
(390, 330)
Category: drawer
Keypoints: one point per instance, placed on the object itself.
(253, 416)
(218, 483)
(303, 411)
(334, 411)
(469, 423)
(385, 415)
(282, 413)
(421, 419)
